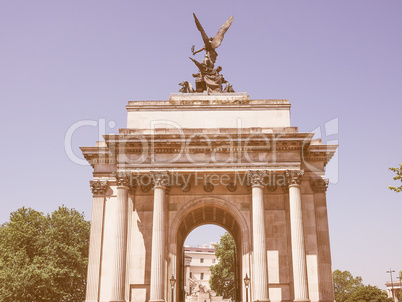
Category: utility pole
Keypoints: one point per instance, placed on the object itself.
(392, 284)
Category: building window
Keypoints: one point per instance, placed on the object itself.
(202, 276)
(202, 260)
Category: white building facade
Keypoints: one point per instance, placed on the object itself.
(393, 289)
(199, 260)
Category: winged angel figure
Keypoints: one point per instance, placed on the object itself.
(210, 44)
(209, 78)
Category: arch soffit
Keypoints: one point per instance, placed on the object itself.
(201, 202)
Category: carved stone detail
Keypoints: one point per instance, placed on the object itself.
(208, 187)
(319, 185)
(132, 188)
(98, 187)
(160, 179)
(122, 179)
(256, 178)
(145, 188)
(231, 187)
(186, 188)
(294, 177)
(272, 187)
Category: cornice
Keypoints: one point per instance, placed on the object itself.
(208, 103)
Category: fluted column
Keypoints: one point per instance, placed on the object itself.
(260, 264)
(95, 241)
(119, 248)
(161, 181)
(293, 178)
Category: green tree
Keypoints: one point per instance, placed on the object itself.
(368, 293)
(345, 284)
(222, 279)
(398, 176)
(44, 257)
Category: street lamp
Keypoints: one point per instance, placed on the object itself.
(246, 284)
(392, 284)
(172, 284)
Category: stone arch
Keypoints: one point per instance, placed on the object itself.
(209, 210)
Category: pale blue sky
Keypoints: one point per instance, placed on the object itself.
(66, 61)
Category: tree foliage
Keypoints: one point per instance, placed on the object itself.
(345, 284)
(351, 289)
(369, 293)
(222, 279)
(398, 176)
(44, 257)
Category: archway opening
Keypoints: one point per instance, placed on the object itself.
(204, 220)
(200, 248)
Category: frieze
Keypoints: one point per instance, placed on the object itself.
(232, 187)
(145, 188)
(210, 102)
(208, 187)
(186, 187)
(272, 187)
(132, 188)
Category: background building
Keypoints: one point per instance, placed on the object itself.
(395, 287)
(197, 263)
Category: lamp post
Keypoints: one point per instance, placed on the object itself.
(246, 284)
(172, 284)
(392, 284)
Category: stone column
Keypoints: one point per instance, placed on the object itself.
(161, 181)
(293, 178)
(99, 189)
(260, 265)
(119, 248)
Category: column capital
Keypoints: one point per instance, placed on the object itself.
(319, 185)
(294, 177)
(98, 187)
(122, 179)
(256, 177)
(160, 178)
